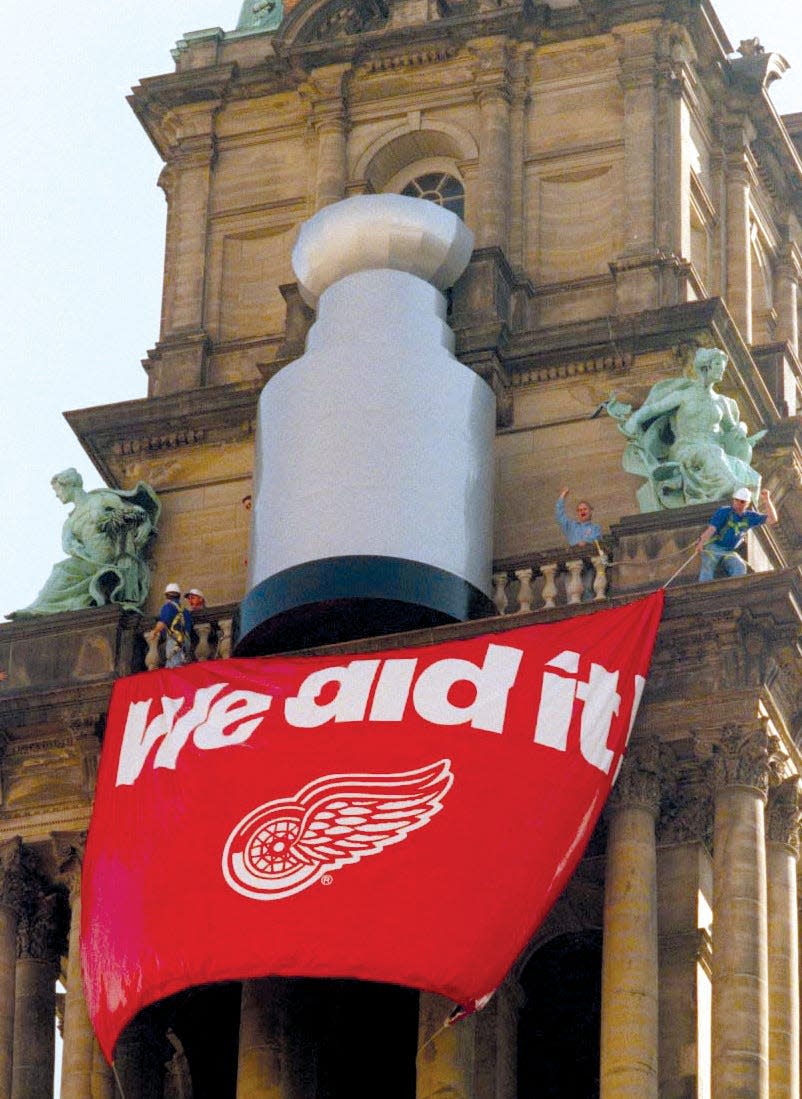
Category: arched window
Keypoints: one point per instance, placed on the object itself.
(441, 188)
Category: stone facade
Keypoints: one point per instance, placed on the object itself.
(633, 196)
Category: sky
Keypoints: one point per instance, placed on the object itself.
(82, 241)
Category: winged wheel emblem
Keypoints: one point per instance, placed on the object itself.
(286, 845)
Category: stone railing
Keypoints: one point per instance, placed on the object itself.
(213, 630)
(551, 578)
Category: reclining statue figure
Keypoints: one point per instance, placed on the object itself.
(687, 439)
(105, 536)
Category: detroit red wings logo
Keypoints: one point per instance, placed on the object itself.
(287, 845)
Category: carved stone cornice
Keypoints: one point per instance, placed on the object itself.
(741, 758)
(111, 433)
(783, 813)
(639, 782)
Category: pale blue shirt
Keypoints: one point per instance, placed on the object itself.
(573, 530)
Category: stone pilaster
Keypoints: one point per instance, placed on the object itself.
(629, 1034)
(446, 1061)
(79, 1041)
(179, 361)
(87, 731)
(11, 895)
(636, 270)
(740, 1026)
(739, 252)
(786, 296)
(494, 95)
(40, 940)
(326, 92)
(782, 856)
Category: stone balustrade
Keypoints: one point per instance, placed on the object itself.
(552, 578)
(212, 637)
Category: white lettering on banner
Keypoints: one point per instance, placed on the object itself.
(492, 682)
(207, 722)
(353, 682)
(601, 703)
(219, 716)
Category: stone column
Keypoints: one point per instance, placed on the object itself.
(494, 94)
(740, 1029)
(39, 941)
(684, 911)
(326, 91)
(782, 855)
(140, 1056)
(264, 1069)
(103, 1084)
(446, 1062)
(79, 1041)
(786, 296)
(629, 1035)
(739, 249)
(10, 892)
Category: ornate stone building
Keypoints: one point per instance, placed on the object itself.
(633, 195)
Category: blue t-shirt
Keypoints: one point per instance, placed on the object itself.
(574, 530)
(168, 614)
(731, 528)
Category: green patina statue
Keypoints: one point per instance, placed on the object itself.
(687, 439)
(105, 536)
(260, 15)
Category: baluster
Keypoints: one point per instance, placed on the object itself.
(500, 592)
(600, 580)
(550, 585)
(525, 592)
(153, 657)
(224, 638)
(203, 649)
(573, 585)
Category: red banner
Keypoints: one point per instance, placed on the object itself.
(407, 816)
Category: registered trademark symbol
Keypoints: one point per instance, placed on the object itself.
(326, 879)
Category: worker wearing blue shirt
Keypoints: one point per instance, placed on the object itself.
(719, 541)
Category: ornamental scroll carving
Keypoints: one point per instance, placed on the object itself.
(639, 783)
(783, 812)
(687, 817)
(742, 758)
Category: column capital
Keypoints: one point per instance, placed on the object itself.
(69, 848)
(42, 935)
(741, 758)
(783, 813)
(687, 817)
(639, 782)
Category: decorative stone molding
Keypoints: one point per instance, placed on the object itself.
(69, 849)
(741, 758)
(87, 731)
(783, 813)
(12, 875)
(639, 783)
(687, 817)
(42, 934)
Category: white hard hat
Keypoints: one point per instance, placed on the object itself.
(195, 591)
(742, 494)
(172, 587)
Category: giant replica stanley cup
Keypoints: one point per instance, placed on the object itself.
(374, 464)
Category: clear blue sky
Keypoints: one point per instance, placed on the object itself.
(83, 226)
